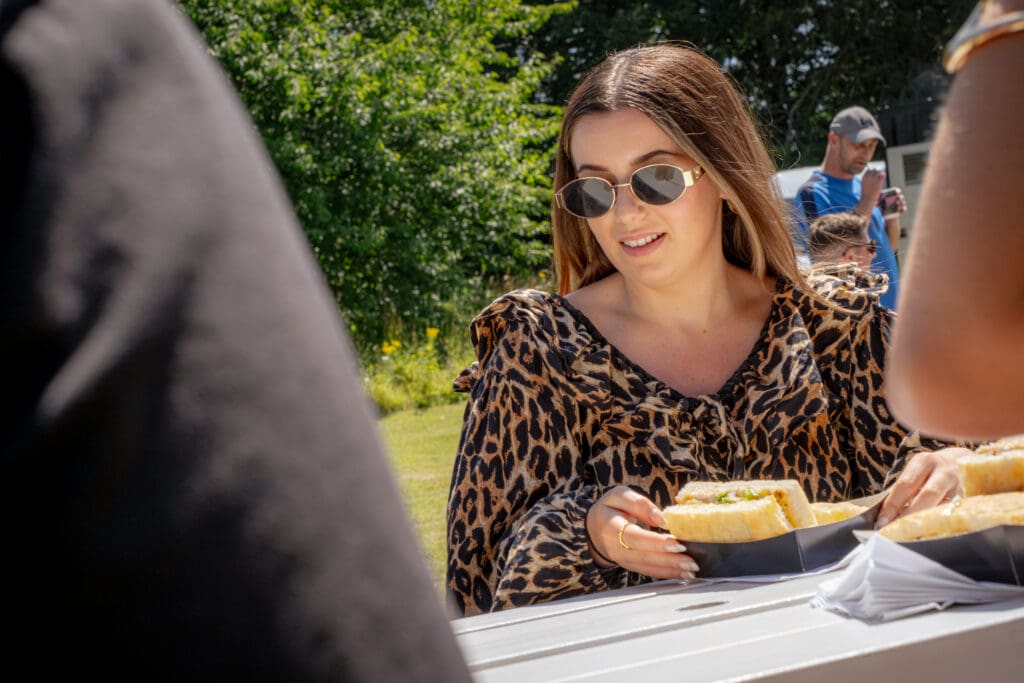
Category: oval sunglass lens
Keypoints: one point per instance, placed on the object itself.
(658, 184)
(588, 197)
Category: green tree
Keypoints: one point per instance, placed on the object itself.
(798, 62)
(412, 148)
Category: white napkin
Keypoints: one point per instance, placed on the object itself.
(886, 581)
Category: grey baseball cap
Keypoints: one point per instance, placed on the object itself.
(856, 124)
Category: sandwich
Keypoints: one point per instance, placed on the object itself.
(960, 516)
(1007, 443)
(827, 513)
(992, 469)
(733, 522)
(738, 511)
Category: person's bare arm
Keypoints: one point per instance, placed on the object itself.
(892, 231)
(871, 185)
(957, 365)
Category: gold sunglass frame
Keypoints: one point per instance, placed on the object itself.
(690, 178)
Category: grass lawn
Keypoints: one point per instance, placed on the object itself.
(422, 446)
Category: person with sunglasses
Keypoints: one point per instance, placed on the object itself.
(845, 183)
(841, 238)
(684, 344)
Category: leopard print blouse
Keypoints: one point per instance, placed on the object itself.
(557, 415)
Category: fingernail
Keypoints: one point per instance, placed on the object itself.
(687, 576)
(688, 566)
(676, 548)
(882, 521)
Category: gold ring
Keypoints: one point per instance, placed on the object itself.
(622, 542)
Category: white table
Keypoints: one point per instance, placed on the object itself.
(737, 631)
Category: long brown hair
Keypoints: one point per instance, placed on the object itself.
(685, 93)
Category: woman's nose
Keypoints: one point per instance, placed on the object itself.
(625, 201)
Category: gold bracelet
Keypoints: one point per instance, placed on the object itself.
(972, 37)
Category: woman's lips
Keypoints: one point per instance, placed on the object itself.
(638, 246)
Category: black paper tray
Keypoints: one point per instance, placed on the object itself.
(995, 554)
(798, 551)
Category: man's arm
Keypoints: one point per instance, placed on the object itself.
(870, 187)
(892, 231)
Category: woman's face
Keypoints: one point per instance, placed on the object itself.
(650, 245)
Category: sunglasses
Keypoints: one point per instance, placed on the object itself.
(872, 246)
(657, 184)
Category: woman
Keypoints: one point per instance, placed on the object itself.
(684, 345)
(841, 238)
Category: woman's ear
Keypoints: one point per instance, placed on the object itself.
(848, 255)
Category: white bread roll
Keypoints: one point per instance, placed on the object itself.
(827, 513)
(787, 493)
(1008, 443)
(986, 472)
(744, 520)
(962, 515)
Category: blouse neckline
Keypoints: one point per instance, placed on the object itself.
(726, 389)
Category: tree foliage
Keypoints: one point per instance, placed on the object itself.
(415, 137)
(412, 147)
(798, 61)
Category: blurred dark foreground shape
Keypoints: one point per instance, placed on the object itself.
(192, 484)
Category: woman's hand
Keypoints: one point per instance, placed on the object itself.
(928, 480)
(614, 532)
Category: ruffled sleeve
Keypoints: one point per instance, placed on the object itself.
(518, 497)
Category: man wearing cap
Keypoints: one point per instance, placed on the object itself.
(838, 186)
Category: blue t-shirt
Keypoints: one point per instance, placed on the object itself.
(824, 194)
